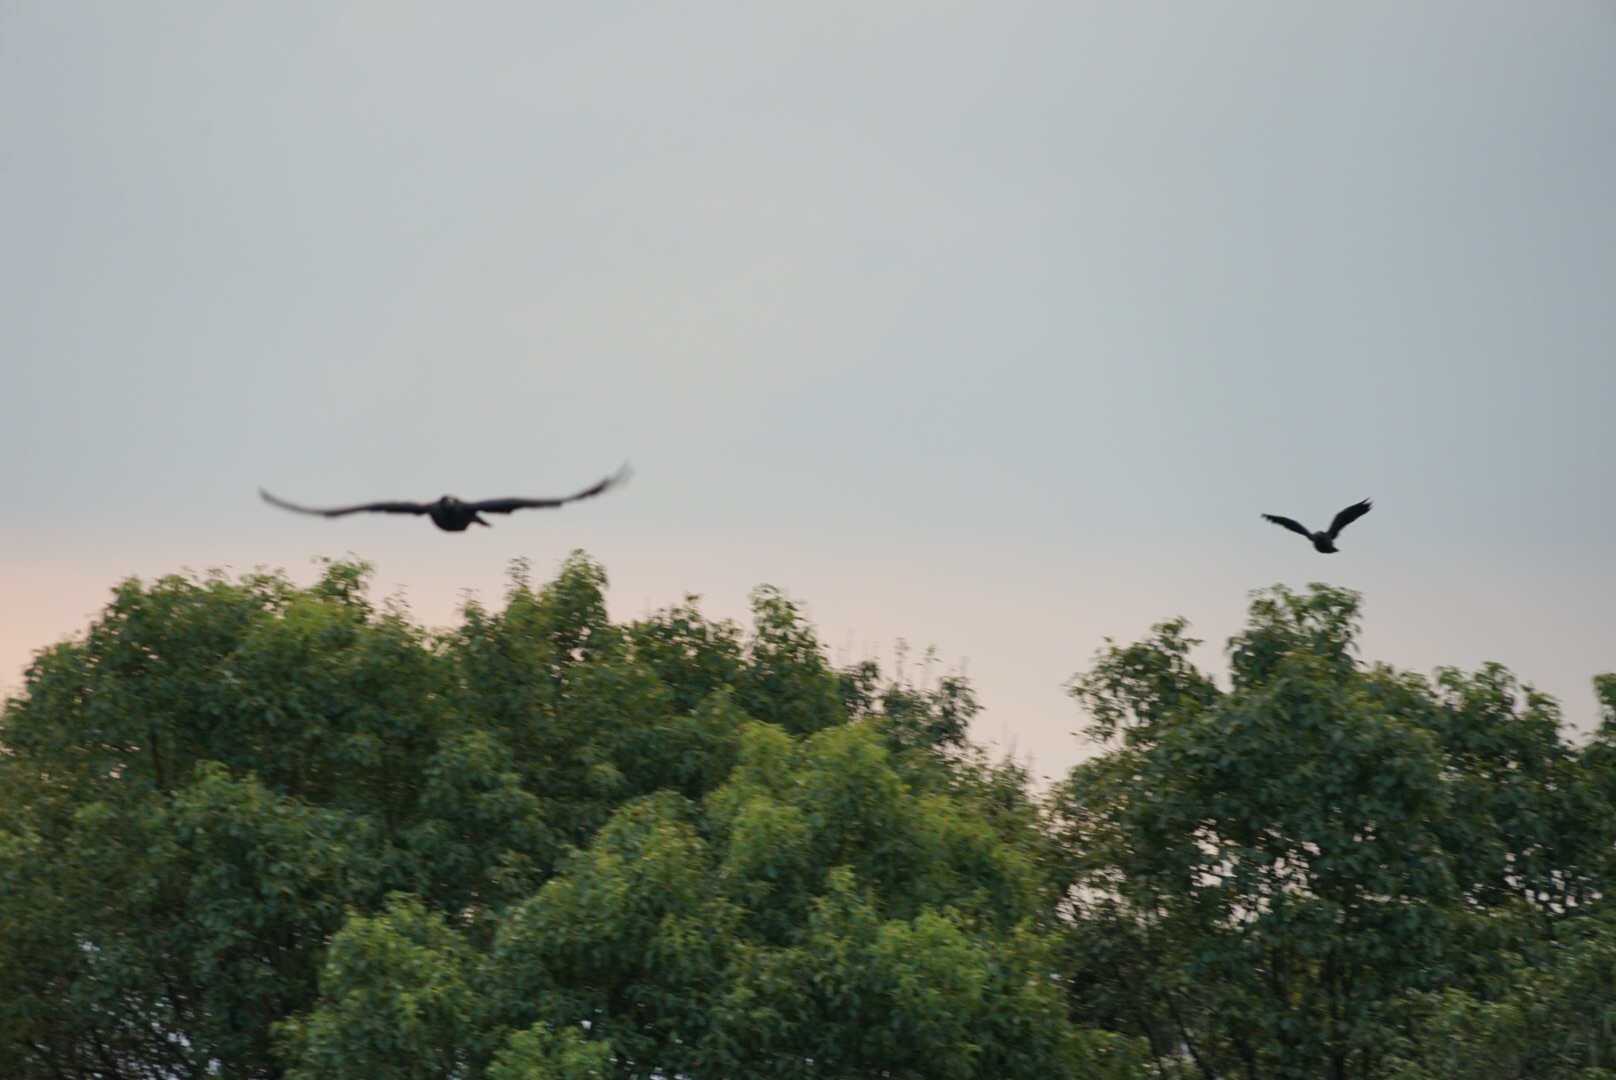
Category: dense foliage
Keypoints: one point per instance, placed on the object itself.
(254, 830)
(1336, 870)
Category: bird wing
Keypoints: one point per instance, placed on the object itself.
(1293, 526)
(379, 507)
(1347, 517)
(505, 506)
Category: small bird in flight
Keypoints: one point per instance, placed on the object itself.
(1325, 541)
(449, 513)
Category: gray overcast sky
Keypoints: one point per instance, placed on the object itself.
(992, 326)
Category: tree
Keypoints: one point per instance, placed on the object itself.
(1549, 1012)
(817, 916)
(398, 1001)
(1260, 878)
(190, 797)
(255, 830)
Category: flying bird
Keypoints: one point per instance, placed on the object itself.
(449, 513)
(1325, 541)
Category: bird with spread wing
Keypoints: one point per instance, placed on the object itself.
(449, 513)
(1325, 540)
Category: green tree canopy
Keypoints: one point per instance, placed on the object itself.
(250, 829)
(1262, 878)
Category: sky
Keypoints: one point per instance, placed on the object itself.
(990, 327)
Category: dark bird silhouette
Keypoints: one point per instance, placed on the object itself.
(1325, 541)
(450, 513)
